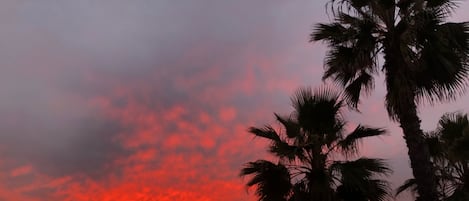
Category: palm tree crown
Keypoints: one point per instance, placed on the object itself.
(425, 58)
(432, 54)
(310, 138)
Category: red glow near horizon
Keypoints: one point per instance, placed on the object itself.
(168, 160)
(171, 158)
(151, 100)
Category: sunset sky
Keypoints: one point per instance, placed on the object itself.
(150, 100)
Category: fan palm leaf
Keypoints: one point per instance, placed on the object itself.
(272, 180)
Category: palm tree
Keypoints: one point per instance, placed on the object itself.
(449, 149)
(425, 58)
(311, 137)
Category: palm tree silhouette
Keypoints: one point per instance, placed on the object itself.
(312, 136)
(449, 148)
(425, 58)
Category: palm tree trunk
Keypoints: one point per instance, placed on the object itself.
(419, 155)
(319, 190)
(402, 106)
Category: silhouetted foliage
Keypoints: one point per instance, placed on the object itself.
(312, 136)
(424, 58)
(449, 147)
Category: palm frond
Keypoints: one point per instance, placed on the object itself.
(272, 180)
(350, 62)
(353, 48)
(459, 194)
(349, 143)
(333, 33)
(448, 146)
(452, 126)
(435, 145)
(460, 149)
(341, 64)
(292, 128)
(369, 190)
(444, 6)
(363, 83)
(318, 112)
(378, 190)
(359, 179)
(355, 6)
(453, 135)
(409, 185)
(362, 168)
(266, 132)
(344, 63)
(300, 192)
(443, 65)
(285, 151)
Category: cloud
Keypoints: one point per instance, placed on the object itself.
(23, 170)
(149, 100)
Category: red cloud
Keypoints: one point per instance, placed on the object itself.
(175, 154)
(21, 170)
(227, 114)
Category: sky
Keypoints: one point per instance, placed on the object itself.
(117, 100)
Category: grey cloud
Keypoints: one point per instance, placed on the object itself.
(58, 145)
(50, 48)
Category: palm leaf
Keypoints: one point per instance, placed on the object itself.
(363, 168)
(352, 56)
(452, 126)
(300, 192)
(266, 132)
(409, 185)
(378, 190)
(459, 194)
(435, 145)
(333, 33)
(358, 179)
(443, 67)
(318, 114)
(363, 83)
(444, 6)
(341, 64)
(272, 180)
(283, 150)
(374, 190)
(292, 128)
(460, 149)
(349, 143)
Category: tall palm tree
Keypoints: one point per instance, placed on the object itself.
(309, 140)
(425, 58)
(449, 149)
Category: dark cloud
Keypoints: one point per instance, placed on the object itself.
(58, 145)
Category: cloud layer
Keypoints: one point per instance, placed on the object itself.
(150, 100)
